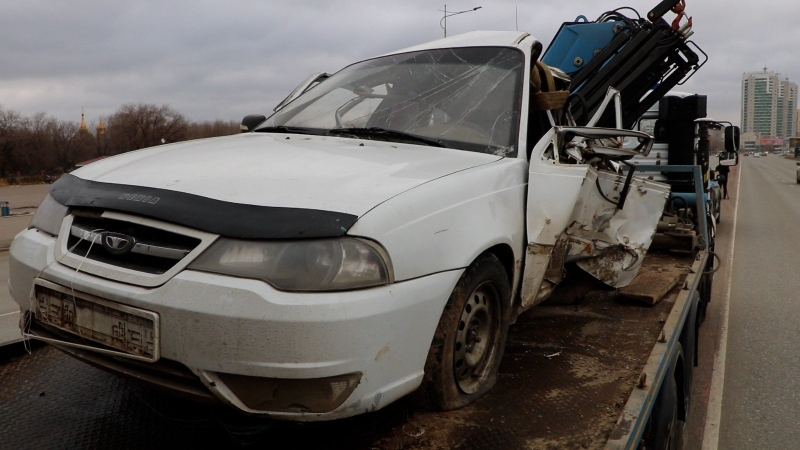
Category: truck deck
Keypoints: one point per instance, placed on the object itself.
(565, 381)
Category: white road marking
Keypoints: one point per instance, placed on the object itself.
(714, 412)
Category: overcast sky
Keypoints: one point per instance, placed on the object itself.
(222, 60)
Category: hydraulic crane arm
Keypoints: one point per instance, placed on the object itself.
(641, 58)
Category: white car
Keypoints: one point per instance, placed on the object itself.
(374, 236)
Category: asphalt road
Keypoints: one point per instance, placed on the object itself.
(761, 390)
(23, 201)
(27, 196)
(710, 330)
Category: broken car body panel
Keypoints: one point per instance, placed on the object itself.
(607, 242)
(610, 243)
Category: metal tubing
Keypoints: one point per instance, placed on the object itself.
(698, 189)
(661, 9)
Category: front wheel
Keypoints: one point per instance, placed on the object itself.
(468, 344)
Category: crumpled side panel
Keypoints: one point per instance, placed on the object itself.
(610, 243)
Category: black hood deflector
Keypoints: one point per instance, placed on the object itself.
(233, 220)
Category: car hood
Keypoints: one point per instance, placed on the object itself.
(343, 175)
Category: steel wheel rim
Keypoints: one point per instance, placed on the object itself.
(474, 347)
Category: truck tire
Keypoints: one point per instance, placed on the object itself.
(665, 430)
(689, 346)
(704, 288)
(468, 344)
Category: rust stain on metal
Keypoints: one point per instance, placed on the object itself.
(622, 429)
(601, 221)
(382, 352)
(657, 277)
(606, 264)
(535, 249)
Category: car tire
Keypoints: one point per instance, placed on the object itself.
(468, 343)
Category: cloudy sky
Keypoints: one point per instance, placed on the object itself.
(222, 60)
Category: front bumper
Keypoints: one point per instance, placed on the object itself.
(216, 325)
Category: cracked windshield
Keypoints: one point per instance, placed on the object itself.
(461, 98)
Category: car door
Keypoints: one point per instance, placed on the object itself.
(578, 213)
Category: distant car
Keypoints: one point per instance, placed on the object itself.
(765, 153)
(756, 154)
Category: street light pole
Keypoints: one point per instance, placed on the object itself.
(443, 22)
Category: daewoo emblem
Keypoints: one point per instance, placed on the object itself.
(117, 243)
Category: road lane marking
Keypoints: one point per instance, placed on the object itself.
(714, 411)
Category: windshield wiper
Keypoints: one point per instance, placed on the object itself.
(285, 129)
(377, 132)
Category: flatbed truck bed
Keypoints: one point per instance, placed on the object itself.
(570, 378)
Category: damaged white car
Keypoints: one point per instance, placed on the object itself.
(374, 237)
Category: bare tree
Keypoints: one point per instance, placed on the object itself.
(32, 145)
(138, 126)
(66, 144)
(212, 129)
(11, 126)
(36, 154)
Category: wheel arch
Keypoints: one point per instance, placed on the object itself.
(441, 388)
(505, 254)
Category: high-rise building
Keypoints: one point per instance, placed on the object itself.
(769, 109)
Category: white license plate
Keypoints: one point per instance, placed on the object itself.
(130, 330)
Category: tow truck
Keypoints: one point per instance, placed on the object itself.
(606, 289)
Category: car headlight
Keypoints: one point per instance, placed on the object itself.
(302, 265)
(49, 215)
